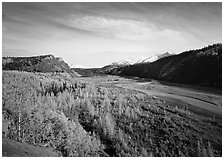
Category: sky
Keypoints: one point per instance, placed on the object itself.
(97, 34)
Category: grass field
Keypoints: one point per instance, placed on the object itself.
(106, 116)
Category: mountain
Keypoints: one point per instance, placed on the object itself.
(86, 72)
(44, 63)
(154, 58)
(116, 65)
(201, 66)
(100, 71)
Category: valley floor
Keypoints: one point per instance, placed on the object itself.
(204, 102)
(197, 100)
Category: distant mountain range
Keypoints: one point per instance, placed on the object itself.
(115, 65)
(45, 63)
(201, 66)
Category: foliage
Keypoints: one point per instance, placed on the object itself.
(80, 119)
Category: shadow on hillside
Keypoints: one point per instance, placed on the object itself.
(200, 88)
(193, 87)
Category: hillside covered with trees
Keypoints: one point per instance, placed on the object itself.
(202, 66)
(45, 63)
(75, 118)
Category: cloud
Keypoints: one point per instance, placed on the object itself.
(127, 29)
(78, 32)
(15, 52)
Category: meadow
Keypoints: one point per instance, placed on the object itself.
(77, 117)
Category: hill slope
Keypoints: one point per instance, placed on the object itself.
(202, 66)
(46, 63)
(12, 148)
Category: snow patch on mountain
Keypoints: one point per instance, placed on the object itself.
(154, 58)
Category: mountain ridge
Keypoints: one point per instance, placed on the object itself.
(202, 66)
(155, 57)
(42, 63)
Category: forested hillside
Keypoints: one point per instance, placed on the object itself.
(76, 118)
(46, 63)
(202, 66)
